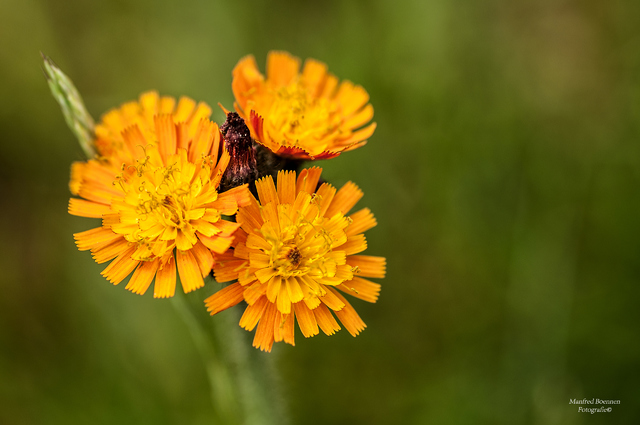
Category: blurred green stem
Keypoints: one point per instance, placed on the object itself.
(222, 393)
(242, 379)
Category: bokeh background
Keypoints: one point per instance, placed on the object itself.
(504, 174)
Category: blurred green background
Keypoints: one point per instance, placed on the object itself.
(504, 174)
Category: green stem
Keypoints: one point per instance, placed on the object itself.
(255, 372)
(244, 388)
(225, 402)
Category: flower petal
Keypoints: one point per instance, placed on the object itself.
(224, 298)
(190, 274)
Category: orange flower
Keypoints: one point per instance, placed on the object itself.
(109, 135)
(294, 249)
(301, 115)
(155, 189)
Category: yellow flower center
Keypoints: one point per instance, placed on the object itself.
(301, 118)
(164, 205)
(304, 245)
(288, 260)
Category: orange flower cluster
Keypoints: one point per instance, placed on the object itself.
(180, 197)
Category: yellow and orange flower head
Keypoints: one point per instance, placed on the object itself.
(296, 247)
(155, 189)
(301, 115)
(109, 136)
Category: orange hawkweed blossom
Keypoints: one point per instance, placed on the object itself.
(155, 187)
(294, 252)
(302, 115)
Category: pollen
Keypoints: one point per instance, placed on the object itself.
(297, 115)
(163, 203)
(294, 257)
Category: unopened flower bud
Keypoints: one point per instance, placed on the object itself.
(75, 113)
